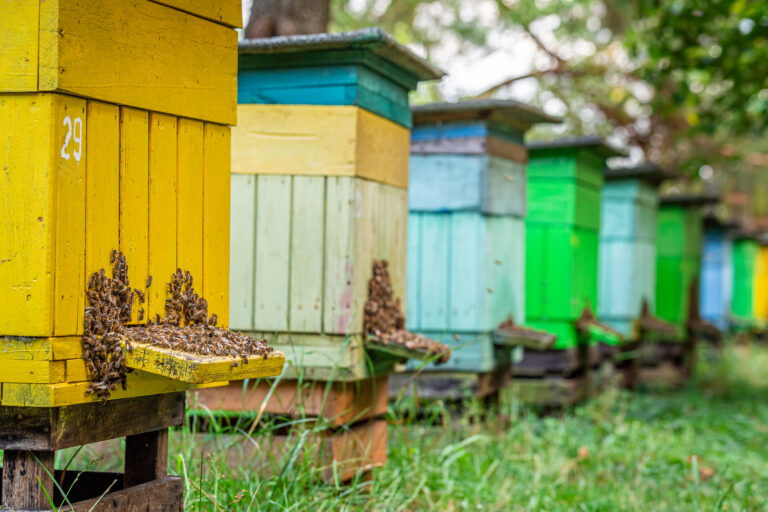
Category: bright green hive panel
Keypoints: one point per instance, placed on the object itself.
(675, 275)
(679, 231)
(563, 201)
(744, 258)
(570, 163)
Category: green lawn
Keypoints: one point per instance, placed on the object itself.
(701, 448)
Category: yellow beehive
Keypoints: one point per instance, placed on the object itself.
(113, 135)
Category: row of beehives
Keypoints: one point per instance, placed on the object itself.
(114, 124)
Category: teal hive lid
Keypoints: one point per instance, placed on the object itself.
(646, 171)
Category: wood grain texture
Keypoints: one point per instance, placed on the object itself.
(162, 495)
(336, 141)
(242, 251)
(189, 202)
(216, 201)
(227, 12)
(69, 262)
(46, 372)
(193, 368)
(102, 182)
(162, 209)
(27, 477)
(471, 353)
(146, 457)
(134, 196)
(138, 54)
(18, 53)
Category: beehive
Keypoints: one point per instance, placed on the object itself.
(717, 272)
(319, 190)
(466, 226)
(565, 179)
(627, 255)
(103, 148)
(678, 258)
(745, 261)
(761, 283)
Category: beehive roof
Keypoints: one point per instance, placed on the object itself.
(503, 112)
(372, 39)
(691, 199)
(594, 142)
(646, 171)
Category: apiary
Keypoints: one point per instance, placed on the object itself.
(319, 209)
(466, 238)
(115, 176)
(745, 258)
(717, 271)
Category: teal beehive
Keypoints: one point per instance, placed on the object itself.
(466, 226)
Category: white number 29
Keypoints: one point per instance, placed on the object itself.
(74, 132)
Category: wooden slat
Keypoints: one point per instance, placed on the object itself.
(18, 53)
(162, 209)
(134, 196)
(28, 201)
(504, 270)
(227, 12)
(27, 477)
(198, 369)
(273, 235)
(69, 267)
(413, 273)
(472, 352)
(146, 457)
(307, 249)
(242, 256)
(435, 281)
(189, 203)
(216, 200)
(467, 298)
(32, 371)
(335, 140)
(338, 308)
(391, 226)
(164, 494)
(102, 182)
(139, 54)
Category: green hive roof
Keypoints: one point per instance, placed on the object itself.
(593, 142)
(374, 40)
(503, 112)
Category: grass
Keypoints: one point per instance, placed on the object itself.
(700, 448)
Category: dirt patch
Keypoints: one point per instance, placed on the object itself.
(186, 326)
(385, 321)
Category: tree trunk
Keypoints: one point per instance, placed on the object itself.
(270, 18)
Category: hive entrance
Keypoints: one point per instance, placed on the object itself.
(186, 326)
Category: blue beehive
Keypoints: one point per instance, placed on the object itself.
(627, 271)
(466, 226)
(716, 291)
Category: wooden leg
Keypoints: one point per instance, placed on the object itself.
(146, 457)
(23, 474)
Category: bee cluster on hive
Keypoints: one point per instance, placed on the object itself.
(186, 327)
(385, 321)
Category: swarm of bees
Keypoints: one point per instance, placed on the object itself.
(385, 321)
(186, 326)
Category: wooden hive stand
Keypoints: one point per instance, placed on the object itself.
(565, 180)
(466, 243)
(319, 191)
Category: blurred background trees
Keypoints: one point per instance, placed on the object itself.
(682, 82)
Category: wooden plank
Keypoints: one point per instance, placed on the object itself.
(436, 275)
(146, 457)
(193, 368)
(391, 228)
(505, 188)
(340, 403)
(216, 201)
(58, 395)
(45, 428)
(413, 273)
(76, 371)
(468, 297)
(504, 270)
(18, 53)
(242, 253)
(339, 310)
(273, 238)
(162, 209)
(472, 352)
(367, 201)
(69, 262)
(446, 182)
(307, 250)
(32, 371)
(449, 386)
(102, 183)
(162, 495)
(227, 13)
(26, 349)
(134, 197)
(27, 478)
(67, 348)
(122, 53)
(336, 141)
(27, 129)
(189, 203)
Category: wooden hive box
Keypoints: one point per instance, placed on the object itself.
(627, 255)
(745, 299)
(678, 258)
(466, 226)
(319, 190)
(565, 179)
(717, 272)
(103, 148)
(761, 283)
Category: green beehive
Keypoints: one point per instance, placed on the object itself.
(745, 255)
(565, 179)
